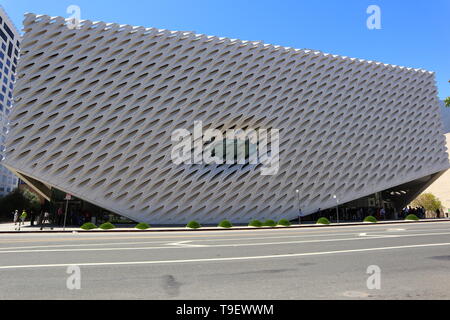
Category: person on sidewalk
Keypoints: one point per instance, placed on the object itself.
(44, 219)
(23, 216)
(16, 217)
(59, 217)
(32, 218)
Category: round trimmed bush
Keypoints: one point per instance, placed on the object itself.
(142, 226)
(284, 222)
(225, 224)
(412, 217)
(323, 221)
(88, 226)
(255, 223)
(107, 226)
(270, 223)
(371, 219)
(193, 225)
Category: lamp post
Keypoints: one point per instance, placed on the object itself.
(299, 207)
(337, 207)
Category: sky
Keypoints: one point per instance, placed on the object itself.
(413, 33)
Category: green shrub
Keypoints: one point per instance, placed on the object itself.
(371, 219)
(284, 222)
(270, 223)
(142, 226)
(412, 217)
(107, 226)
(88, 226)
(225, 224)
(323, 221)
(255, 223)
(193, 225)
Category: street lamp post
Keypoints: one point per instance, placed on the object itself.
(337, 207)
(299, 207)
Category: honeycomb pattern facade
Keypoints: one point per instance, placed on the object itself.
(96, 106)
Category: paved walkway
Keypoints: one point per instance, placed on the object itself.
(11, 228)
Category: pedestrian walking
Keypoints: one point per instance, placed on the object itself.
(32, 218)
(45, 219)
(382, 214)
(23, 216)
(16, 217)
(60, 216)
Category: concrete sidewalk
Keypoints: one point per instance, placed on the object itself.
(10, 228)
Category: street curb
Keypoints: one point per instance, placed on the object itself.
(221, 229)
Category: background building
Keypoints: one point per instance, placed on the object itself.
(9, 55)
(441, 187)
(97, 107)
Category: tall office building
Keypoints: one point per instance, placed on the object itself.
(103, 111)
(9, 55)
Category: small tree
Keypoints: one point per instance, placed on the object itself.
(427, 200)
(447, 102)
(18, 200)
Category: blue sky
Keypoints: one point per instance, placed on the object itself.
(414, 33)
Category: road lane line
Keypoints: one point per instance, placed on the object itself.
(293, 255)
(184, 245)
(156, 242)
(211, 234)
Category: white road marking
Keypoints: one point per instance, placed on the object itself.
(293, 255)
(302, 235)
(184, 245)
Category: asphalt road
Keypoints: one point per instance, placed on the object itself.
(316, 263)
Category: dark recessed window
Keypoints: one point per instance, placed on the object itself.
(3, 35)
(8, 30)
(10, 49)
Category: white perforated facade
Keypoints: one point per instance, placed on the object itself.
(9, 55)
(96, 107)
